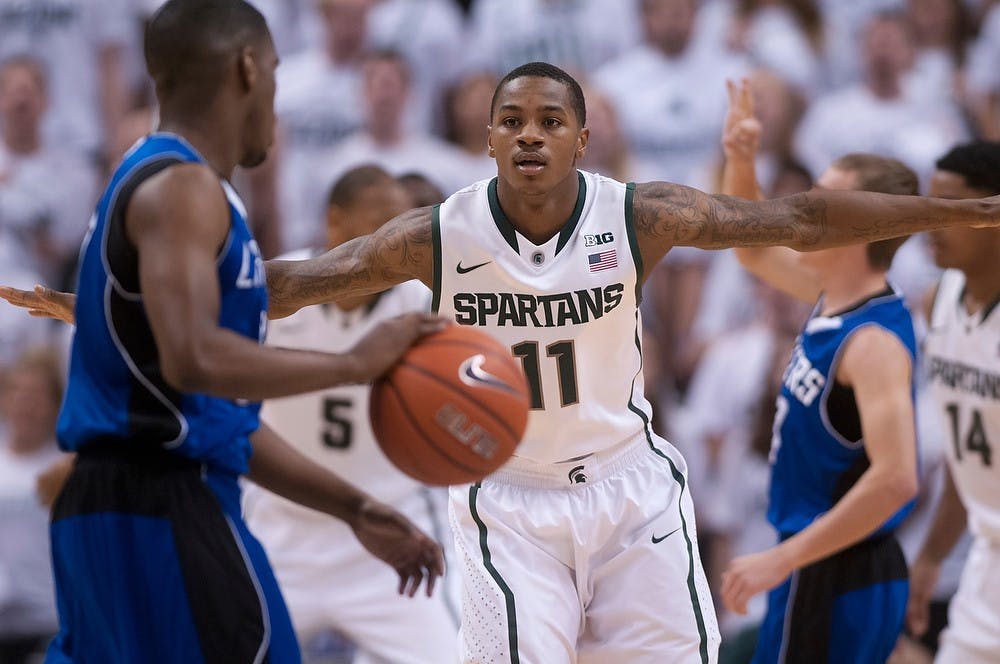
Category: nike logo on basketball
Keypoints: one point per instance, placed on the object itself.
(463, 270)
(657, 540)
(471, 373)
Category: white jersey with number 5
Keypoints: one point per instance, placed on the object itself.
(963, 361)
(567, 309)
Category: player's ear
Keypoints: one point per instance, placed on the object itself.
(581, 142)
(247, 67)
(489, 141)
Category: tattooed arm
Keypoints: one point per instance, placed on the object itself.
(398, 251)
(668, 215)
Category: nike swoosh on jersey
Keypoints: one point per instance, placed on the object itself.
(463, 270)
(657, 540)
(471, 373)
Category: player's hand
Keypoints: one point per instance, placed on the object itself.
(742, 130)
(390, 536)
(923, 578)
(389, 340)
(42, 302)
(748, 575)
(50, 482)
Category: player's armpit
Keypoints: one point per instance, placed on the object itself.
(402, 249)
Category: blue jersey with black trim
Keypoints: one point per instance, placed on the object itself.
(116, 389)
(813, 463)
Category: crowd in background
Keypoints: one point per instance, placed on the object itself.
(406, 84)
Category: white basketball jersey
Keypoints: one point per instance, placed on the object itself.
(568, 310)
(963, 363)
(331, 426)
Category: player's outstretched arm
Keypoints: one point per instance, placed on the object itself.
(946, 529)
(879, 369)
(402, 249)
(778, 266)
(387, 534)
(42, 302)
(668, 215)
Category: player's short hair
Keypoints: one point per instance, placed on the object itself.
(421, 189)
(188, 43)
(882, 175)
(346, 189)
(546, 70)
(978, 162)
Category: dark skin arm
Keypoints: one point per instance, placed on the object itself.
(668, 215)
(177, 220)
(387, 534)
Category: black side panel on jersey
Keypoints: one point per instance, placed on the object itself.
(154, 406)
(842, 411)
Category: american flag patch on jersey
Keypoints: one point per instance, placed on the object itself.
(604, 260)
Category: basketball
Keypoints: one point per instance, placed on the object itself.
(453, 409)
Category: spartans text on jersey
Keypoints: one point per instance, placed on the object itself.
(525, 309)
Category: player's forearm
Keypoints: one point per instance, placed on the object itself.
(948, 525)
(875, 497)
(225, 364)
(283, 470)
(822, 219)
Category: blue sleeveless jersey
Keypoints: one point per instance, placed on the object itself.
(813, 465)
(116, 390)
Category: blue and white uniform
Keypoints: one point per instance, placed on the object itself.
(848, 607)
(151, 557)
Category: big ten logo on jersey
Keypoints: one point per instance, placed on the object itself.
(251, 268)
(598, 239)
(803, 380)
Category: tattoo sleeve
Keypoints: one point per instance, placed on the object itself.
(400, 250)
(668, 215)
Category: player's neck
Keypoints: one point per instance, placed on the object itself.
(204, 136)
(539, 216)
(846, 288)
(982, 288)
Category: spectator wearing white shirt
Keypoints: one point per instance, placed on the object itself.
(670, 96)
(81, 44)
(318, 104)
(576, 35)
(467, 120)
(430, 34)
(46, 190)
(29, 404)
(880, 115)
(942, 31)
(386, 141)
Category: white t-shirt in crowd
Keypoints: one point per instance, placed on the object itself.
(671, 110)
(67, 37)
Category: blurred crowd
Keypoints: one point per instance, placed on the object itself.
(406, 84)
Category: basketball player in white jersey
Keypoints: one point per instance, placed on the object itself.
(963, 359)
(583, 548)
(317, 562)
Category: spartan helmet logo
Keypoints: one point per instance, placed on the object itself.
(576, 475)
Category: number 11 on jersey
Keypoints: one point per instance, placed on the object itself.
(564, 355)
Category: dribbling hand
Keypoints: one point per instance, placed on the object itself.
(42, 302)
(388, 341)
(391, 537)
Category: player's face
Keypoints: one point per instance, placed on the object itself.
(961, 248)
(535, 135)
(260, 119)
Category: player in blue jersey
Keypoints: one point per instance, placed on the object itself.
(622, 587)
(843, 454)
(151, 557)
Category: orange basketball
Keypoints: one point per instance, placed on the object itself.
(453, 409)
